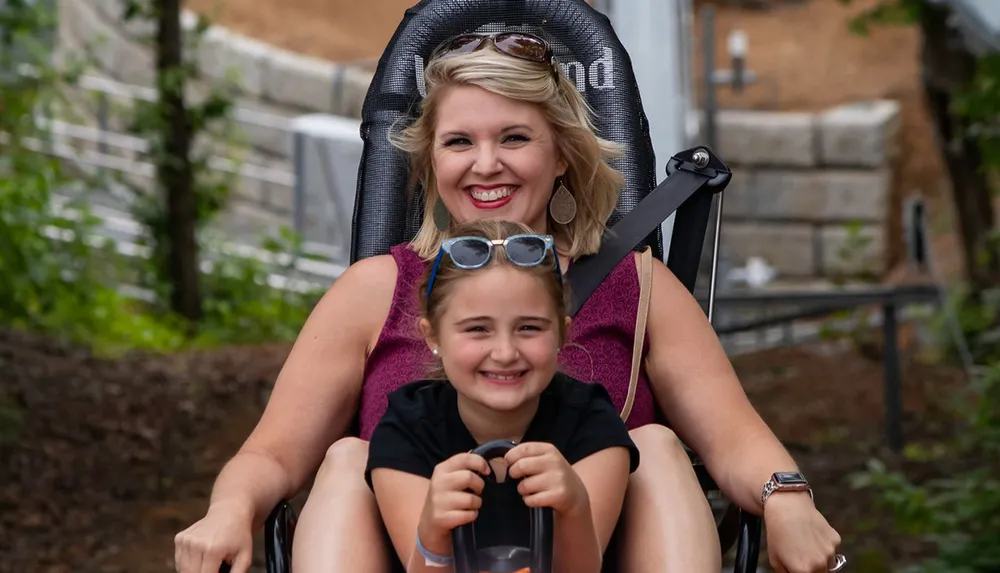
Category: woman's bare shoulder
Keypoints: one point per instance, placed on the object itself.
(375, 268)
(662, 276)
(363, 288)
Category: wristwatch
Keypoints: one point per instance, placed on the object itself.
(784, 481)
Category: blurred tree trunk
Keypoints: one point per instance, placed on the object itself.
(174, 169)
(948, 69)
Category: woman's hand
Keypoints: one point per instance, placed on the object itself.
(799, 539)
(453, 499)
(547, 479)
(223, 535)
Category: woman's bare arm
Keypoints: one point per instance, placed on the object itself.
(700, 394)
(315, 395)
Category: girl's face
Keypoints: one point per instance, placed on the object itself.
(498, 338)
(494, 157)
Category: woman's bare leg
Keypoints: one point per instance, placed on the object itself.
(340, 528)
(667, 526)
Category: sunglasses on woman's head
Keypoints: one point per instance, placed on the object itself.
(474, 252)
(516, 44)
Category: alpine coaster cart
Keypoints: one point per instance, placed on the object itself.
(385, 215)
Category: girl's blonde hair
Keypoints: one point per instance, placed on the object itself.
(432, 307)
(593, 182)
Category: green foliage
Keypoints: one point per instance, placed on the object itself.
(57, 278)
(980, 103)
(53, 277)
(886, 12)
(211, 129)
(240, 304)
(960, 512)
(977, 320)
(850, 324)
(851, 256)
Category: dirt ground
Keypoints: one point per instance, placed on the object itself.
(804, 56)
(111, 458)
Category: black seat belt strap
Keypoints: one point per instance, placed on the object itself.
(587, 273)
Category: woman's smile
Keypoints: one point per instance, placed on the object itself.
(491, 196)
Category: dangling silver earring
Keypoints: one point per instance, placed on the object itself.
(442, 218)
(562, 206)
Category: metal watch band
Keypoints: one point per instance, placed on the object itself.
(770, 486)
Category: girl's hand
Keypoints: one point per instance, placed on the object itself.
(547, 479)
(799, 539)
(449, 502)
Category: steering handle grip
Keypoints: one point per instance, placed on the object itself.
(463, 537)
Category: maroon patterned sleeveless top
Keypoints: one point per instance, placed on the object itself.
(598, 349)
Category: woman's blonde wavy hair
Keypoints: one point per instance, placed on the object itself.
(592, 181)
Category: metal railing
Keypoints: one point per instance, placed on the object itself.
(809, 307)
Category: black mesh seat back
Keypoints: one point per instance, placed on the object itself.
(385, 213)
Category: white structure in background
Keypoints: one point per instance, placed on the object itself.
(657, 36)
(756, 274)
(327, 151)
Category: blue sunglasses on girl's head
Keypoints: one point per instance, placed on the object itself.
(474, 252)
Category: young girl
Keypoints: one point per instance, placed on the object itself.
(494, 316)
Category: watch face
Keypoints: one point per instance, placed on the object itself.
(789, 478)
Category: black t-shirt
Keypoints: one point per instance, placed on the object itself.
(422, 428)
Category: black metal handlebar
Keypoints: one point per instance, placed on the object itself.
(505, 558)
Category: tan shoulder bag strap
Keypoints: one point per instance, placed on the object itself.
(645, 285)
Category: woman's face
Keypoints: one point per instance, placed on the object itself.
(494, 158)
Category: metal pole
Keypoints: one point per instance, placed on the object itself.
(708, 43)
(708, 66)
(891, 384)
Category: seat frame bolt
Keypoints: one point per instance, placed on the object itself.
(700, 158)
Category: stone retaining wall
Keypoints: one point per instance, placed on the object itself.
(805, 183)
(801, 180)
(275, 86)
(273, 82)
